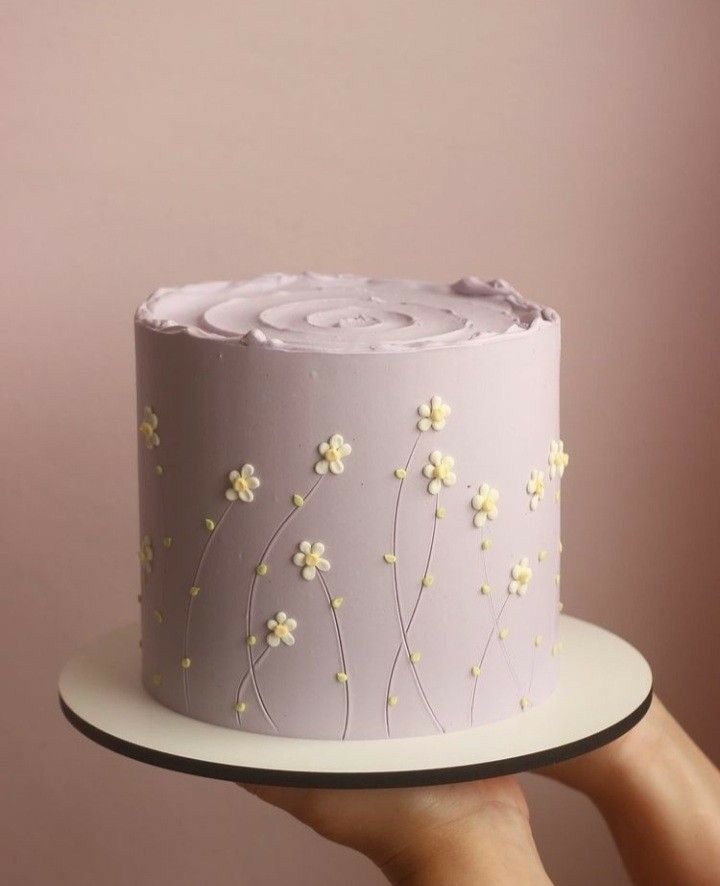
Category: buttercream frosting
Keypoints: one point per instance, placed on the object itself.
(344, 313)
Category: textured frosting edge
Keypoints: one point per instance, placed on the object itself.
(501, 296)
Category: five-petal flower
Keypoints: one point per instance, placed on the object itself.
(281, 628)
(433, 414)
(309, 557)
(520, 576)
(333, 451)
(439, 471)
(148, 428)
(145, 554)
(558, 459)
(242, 484)
(536, 488)
(485, 504)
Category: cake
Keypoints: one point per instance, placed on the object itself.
(349, 504)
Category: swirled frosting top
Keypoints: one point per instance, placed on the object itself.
(344, 313)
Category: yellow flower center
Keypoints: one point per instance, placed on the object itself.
(332, 454)
(311, 559)
(281, 630)
(436, 413)
(441, 471)
(146, 429)
(240, 484)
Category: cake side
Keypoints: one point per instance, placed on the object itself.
(351, 543)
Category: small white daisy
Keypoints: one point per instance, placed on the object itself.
(148, 428)
(242, 483)
(333, 452)
(485, 505)
(558, 459)
(440, 472)
(520, 576)
(309, 557)
(281, 628)
(536, 488)
(433, 414)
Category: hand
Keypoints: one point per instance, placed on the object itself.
(660, 796)
(658, 792)
(471, 833)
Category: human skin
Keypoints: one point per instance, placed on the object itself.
(658, 792)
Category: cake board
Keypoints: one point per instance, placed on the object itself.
(604, 689)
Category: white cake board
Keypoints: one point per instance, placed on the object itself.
(605, 688)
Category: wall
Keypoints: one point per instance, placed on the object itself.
(569, 146)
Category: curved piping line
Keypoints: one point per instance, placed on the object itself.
(398, 610)
(188, 608)
(251, 595)
(341, 651)
(244, 681)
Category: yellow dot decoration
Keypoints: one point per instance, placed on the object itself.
(542, 555)
(341, 677)
(560, 606)
(167, 541)
(504, 633)
(557, 579)
(158, 616)
(194, 591)
(298, 500)
(157, 679)
(557, 496)
(392, 700)
(560, 549)
(185, 663)
(440, 512)
(475, 670)
(251, 640)
(209, 524)
(537, 640)
(400, 473)
(485, 590)
(415, 657)
(159, 470)
(239, 707)
(486, 544)
(390, 558)
(428, 580)
(336, 602)
(557, 649)
(261, 569)
(524, 703)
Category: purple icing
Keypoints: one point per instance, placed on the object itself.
(261, 373)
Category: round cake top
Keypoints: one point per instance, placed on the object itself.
(344, 313)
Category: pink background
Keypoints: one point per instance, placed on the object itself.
(570, 146)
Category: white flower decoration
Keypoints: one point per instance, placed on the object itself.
(148, 428)
(281, 628)
(310, 558)
(520, 574)
(145, 554)
(536, 489)
(433, 414)
(485, 505)
(333, 452)
(242, 483)
(440, 472)
(558, 459)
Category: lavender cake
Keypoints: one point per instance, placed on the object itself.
(349, 504)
